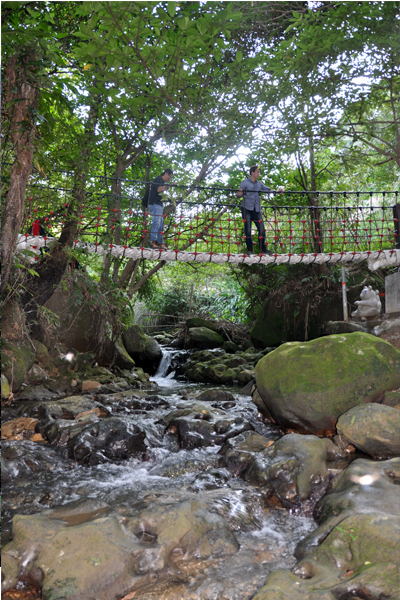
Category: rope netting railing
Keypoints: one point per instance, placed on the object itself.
(206, 225)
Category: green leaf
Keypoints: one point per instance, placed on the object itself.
(171, 8)
(239, 56)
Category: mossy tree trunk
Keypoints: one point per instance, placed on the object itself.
(21, 93)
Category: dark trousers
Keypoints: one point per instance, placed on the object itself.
(256, 217)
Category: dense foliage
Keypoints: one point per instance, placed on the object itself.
(123, 89)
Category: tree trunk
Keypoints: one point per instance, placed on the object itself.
(52, 267)
(23, 92)
(113, 235)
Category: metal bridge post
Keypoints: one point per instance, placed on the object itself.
(396, 217)
(344, 294)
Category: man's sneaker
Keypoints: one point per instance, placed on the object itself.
(265, 251)
(163, 247)
(154, 245)
(249, 253)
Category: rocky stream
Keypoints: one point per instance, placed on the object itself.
(173, 490)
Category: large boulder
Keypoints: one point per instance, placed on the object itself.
(358, 559)
(354, 553)
(96, 553)
(307, 385)
(203, 338)
(144, 350)
(373, 429)
(86, 327)
(122, 358)
(16, 360)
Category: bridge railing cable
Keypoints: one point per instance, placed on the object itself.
(209, 220)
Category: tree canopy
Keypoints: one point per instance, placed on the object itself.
(124, 89)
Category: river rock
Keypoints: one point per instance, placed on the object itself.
(110, 439)
(237, 453)
(21, 459)
(230, 347)
(18, 428)
(245, 376)
(203, 338)
(40, 392)
(365, 486)
(41, 352)
(355, 551)
(16, 360)
(144, 350)
(358, 559)
(5, 388)
(199, 322)
(89, 385)
(68, 408)
(122, 357)
(308, 385)
(372, 428)
(36, 375)
(220, 367)
(201, 425)
(112, 556)
(392, 399)
(216, 396)
(292, 471)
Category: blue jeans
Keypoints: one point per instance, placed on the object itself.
(157, 225)
(256, 217)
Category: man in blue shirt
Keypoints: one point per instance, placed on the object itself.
(251, 208)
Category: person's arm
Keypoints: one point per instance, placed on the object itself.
(241, 188)
(162, 188)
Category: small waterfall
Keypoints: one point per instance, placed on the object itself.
(164, 368)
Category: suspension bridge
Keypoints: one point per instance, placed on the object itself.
(205, 224)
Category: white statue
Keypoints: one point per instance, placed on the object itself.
(369, 305)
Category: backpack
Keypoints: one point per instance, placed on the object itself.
(146, 198)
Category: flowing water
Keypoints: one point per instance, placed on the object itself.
(267, 537)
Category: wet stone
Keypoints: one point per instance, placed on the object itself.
(292, 471)
(237, 453)
(200, 426)
(111, 439)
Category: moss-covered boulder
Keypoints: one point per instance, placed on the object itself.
(5, 388)
(16, 360)
(203, 338)
(230, 347)
(143, 349)
(122, 358)
(198, 322)
(42, 353)
(373, 429)
(307, 385)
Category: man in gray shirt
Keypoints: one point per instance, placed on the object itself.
(251, 208)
